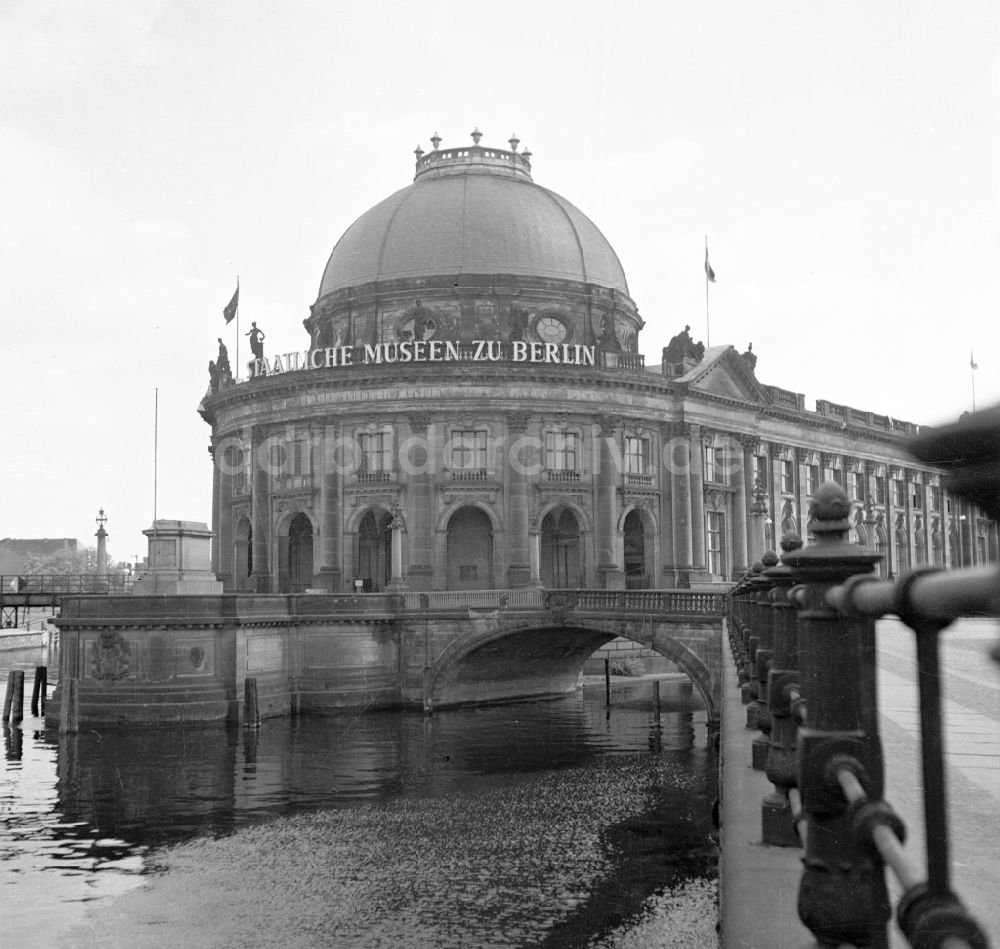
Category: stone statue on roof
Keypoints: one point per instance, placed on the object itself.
(682, 349)
(749, 357)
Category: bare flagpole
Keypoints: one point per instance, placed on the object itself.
(156, 440)
(237, 326)
(709, 278)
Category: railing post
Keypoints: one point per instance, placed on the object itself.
(763, 619)
(748, 645)
(842, 893)
(776, 813)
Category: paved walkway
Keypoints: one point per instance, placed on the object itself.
(760, 884)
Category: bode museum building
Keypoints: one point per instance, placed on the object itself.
(470, 410)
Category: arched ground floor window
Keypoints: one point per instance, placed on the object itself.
(560, 550)
(470, 550)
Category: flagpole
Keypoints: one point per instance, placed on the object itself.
(237, 328)
(708, 325)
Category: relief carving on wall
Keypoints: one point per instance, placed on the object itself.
(110, 657)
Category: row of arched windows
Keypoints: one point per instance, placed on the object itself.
(470, 553)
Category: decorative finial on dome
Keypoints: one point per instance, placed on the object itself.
(435, 140)
(513, 141)
(526, 155)
(476, 135)
(419, 152)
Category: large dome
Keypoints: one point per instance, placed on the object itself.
(473, 211)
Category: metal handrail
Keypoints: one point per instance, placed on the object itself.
(834, 800)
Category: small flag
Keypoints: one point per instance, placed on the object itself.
(230, 311)
(709, 272)
(972, 362)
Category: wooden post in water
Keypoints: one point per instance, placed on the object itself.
(15, 688)
(8, 696)
(69, 708)
(38, 690)
(656, 694)
(607, 680)
(251, 710)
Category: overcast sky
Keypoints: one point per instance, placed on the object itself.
(842, 159)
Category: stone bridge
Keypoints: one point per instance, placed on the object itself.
(138, 658)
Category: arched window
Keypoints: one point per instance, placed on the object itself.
(902, 550)
(374, 551)
(300, 554)
(638, 562)
(470, 550)
(242, 554)
(560, 548)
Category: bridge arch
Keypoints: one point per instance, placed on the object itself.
(545, 660)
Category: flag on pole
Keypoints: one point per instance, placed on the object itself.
(709, 272)
(972, 362)
(230, 310)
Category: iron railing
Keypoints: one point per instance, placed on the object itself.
(27, 584)
(802, 630)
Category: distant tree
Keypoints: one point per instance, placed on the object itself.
(63, 562)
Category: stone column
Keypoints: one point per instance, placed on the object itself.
(397, 582)
(518, 459)
(775, 505)
(329, 575)
(102, 545)
(680, 459)
(758, 517)
(890, 527)
(222, 516)
(666, 510)
(697, 487)
(739, 512)
(418, 462)
(535, 551)
(908, 519)
(260, 579)
(216, 508)
(608, 479)
(216, 505)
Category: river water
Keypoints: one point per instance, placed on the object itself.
(557, 824)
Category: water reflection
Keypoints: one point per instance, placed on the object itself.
(106, 799)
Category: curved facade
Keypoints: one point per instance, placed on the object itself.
(470, 411)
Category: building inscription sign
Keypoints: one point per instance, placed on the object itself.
(426, 351)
